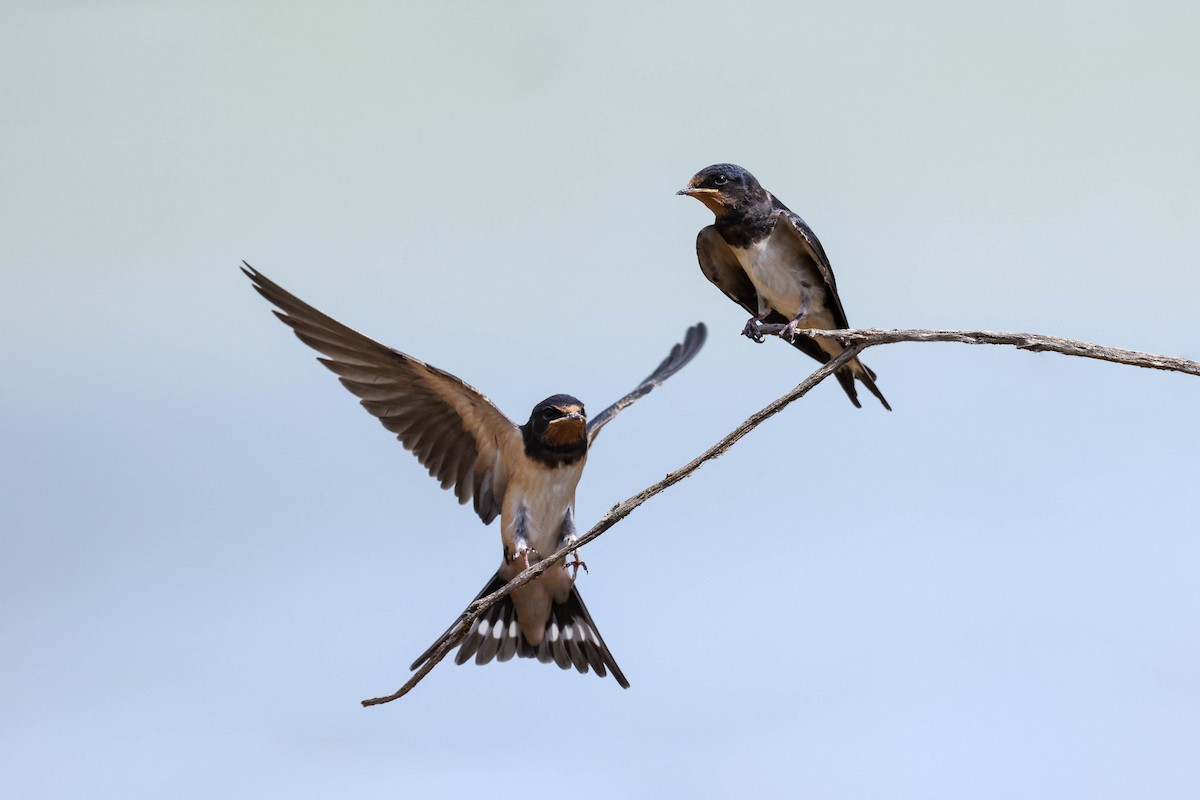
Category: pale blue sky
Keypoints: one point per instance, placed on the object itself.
(209, 554)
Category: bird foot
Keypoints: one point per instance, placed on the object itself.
(789, 330)
(575, 565)
(523, 552)
(751, 330)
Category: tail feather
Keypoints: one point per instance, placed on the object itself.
(558, 645)
(492, 638)
(579, 658)
(868, 379)
(570, 639)
(468, 648)
(845, 376)
(543, 653)
(508, 646)
(475, 637)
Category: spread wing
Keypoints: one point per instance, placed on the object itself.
(453, 430)
(811, 245)
(676, 360)
(721, 267)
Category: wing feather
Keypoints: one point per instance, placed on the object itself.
(452, 428)
(723, 270)
(812, 247)
(677, 359)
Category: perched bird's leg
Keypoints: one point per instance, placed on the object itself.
(567, 537)
(521, 548)
(789, 330)
(576, 564)
(523, 551)
(751, 329)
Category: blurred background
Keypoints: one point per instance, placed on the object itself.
(209, 555)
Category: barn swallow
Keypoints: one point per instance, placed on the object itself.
(767, 260)
(525, 474)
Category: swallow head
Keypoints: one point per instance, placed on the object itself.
(556, 433)
(725, 188)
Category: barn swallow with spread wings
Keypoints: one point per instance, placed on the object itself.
(767, 260)
(525, 474)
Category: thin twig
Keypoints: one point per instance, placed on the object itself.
(1023, 341)
(857, 340)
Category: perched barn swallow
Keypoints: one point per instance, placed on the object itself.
(767, 260)
(525, 474)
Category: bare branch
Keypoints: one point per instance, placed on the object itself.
(1023, 341)
(856, 340)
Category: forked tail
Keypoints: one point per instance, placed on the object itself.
(569, 640)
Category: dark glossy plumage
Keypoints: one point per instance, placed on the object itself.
(747, 218)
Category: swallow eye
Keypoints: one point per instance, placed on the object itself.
(721, 180)
(549, 413)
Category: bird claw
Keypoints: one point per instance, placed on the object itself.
(575, 565)
(751, 330)
(522, 552)
(789, 331)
